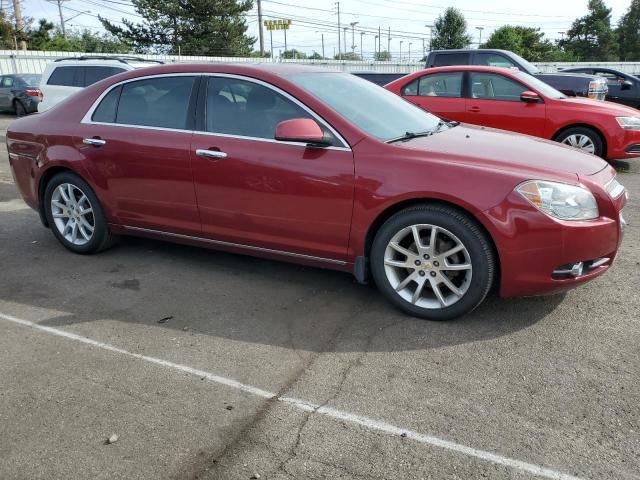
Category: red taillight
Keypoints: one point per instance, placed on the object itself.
(33, 92)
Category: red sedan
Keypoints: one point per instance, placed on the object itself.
(513, 100)
(320, 168)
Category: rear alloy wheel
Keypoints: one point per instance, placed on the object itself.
(74, 214)
(583, 139)
(433, 262)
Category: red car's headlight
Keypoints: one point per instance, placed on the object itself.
(560, 200)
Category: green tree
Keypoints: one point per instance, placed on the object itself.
(293, 53)
(48, 37)
(382, 56)
(348, 56)
(629, 33)
(316, 56)
(591, 37)
(528, 42)
(196, 27)
(450, 31)
(6, 32)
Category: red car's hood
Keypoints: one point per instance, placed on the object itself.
(502, 150)
(614, 109)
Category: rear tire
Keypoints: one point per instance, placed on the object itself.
(443, 275)
(19, 108)
(583, 138)
(75, 215)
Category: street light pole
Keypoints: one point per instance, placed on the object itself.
(353, 37)
(323, 45)
(430, 27)
(361, 53)
(400, 54)
(375, 48)
(479, 35)
(345, 39)
(409, 54)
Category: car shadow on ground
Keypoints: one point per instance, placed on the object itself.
(242, 298)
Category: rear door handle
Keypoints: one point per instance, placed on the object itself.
(210, 153)
(96, 142)
(474, 109)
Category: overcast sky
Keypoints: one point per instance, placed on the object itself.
(311, 19)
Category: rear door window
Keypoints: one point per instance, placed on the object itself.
(67, 77)
(156, 102)
(7, 82)
(106, 111)
(94, 74)
(446, 59)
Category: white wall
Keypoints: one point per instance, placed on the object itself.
(35, 62)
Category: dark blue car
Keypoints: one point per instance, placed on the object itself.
(623, 88)
(20, 93)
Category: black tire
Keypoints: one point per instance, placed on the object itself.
(467, 231)
(101, 237)
(19, 108)
(588, 132)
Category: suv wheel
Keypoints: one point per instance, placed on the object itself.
(433, 262)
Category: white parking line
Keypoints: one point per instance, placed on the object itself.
(366, 422)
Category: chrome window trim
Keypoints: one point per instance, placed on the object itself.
(234, 245)
(87, 117)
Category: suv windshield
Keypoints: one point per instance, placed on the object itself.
(371, 108)
(544, 88)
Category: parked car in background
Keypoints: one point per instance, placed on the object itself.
(623, 88)
(20, 93)
(320, 168)
(571, 84)
(65, 76)
(512, 100)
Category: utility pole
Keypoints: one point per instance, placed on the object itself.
(323, 45)
(379, 40)
(64, 30)
(409, 54)
(361, 52)
(260, 28)
(19, 22)
(389, 44)
(285, 40)
(376, 42)
(339, 28)
(353, 37)
(401, 42)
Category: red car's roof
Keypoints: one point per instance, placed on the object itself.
(279, 69)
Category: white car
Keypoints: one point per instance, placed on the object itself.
(65, 76)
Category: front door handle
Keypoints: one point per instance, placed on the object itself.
(474, 109)
(210, 153)
(96, 142)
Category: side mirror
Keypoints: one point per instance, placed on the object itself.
(626, 85)
(303, 130)
(530, 97)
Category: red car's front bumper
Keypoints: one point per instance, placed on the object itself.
(626, 144)
(532, 246)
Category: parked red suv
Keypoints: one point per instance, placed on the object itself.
(320, 168)
(513, 100)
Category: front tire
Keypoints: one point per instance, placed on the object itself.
(75, 215)
(433, 262)
(582, 138)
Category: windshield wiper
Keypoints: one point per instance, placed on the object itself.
(436, 129)
(410, 135)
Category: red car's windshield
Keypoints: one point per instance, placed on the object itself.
(371, 108)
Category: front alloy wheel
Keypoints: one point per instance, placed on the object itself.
(433, 262)
(432, 275)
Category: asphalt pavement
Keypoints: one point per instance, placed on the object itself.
(208, 365)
